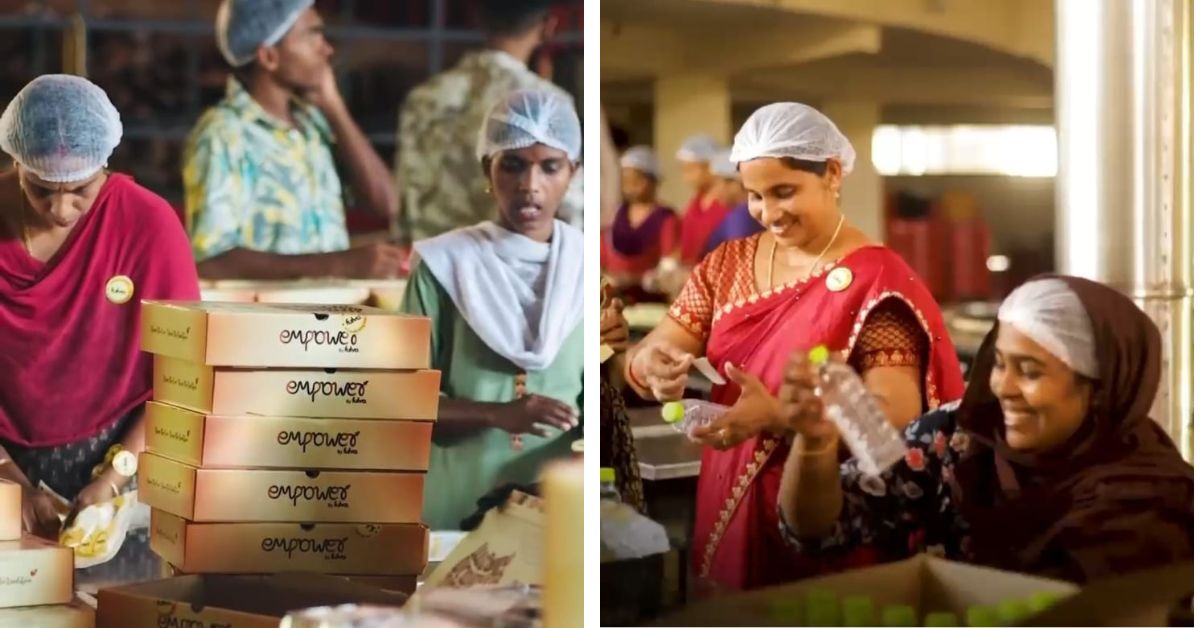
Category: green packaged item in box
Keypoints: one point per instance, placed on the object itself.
(982, 617)
(899, 615)
(1013, 612)
(858, 610)
(941, 619)
(787, 612)
(1042, 600)
(821, 608)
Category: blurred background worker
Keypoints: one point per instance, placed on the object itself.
(706, 210)
(643, 231)
(264, 198)
(738, 223)
(444, 187)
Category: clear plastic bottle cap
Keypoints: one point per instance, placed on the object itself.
(818, 355)
(858, 610)
(899, 615)
(608, 474)
(673, 412)
(941, 619)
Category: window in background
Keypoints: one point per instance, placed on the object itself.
(1007, 150)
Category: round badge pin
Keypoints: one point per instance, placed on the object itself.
(354, 323)
(839, 279)
(119, 290)
(125, 463)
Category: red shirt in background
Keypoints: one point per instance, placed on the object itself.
(700, 219)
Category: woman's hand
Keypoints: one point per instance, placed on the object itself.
(529, 415)
(803, 411)
(755, 412)
(663, 369)
(39, 513)
(104, 488)
(614, 330)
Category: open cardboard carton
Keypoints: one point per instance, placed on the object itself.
(77, 614)
(229, 601)
(932, 584)
(505, 549)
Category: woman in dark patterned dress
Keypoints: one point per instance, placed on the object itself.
(1049, 465)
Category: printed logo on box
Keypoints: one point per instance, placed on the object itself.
(170, 488)
(345, 443)
(169, 332)
(167, 619)
(344, 341)
(332, 496)
(182, 437)
(350, 392)
(190, 384)
(329, 549)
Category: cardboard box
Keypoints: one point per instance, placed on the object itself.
(402, 584)
(286, 443)
(264, 495)
(254, 548)
(229, 601)
(329, 393)
(73, 615)
(35, 572)
(285, 335)
(10, 511)
(505, 549)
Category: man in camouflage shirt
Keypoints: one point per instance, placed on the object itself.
(443, 182)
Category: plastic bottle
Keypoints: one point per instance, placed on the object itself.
(871, 438)
(821, 608)
(899, 615)
(608, 485)
(858, 610)
(690, 414)
(941, 619)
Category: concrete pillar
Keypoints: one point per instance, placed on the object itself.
(862, 191)
(685, 105)
(1125, 188)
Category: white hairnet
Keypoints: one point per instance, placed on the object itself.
(642, 159)
(244, 25)
(61, 128)
(527, 117)
(698, 148)
(1051, 314)
(790, 129)
(722, 166)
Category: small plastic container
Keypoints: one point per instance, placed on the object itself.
(688, 415)
(608, 485)
(941, 619)
(1013, 612)
(1043, 600)
(858, 610)
(821, 608)
(899, 615)
(982, 617)
(787, 612)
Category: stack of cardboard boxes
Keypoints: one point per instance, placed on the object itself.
(37, 577)
(288, 438)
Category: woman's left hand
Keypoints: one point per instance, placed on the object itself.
(102, 489)
(755, 412)
(614, 330)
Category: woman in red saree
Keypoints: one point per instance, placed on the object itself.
(809, 279)
(79, 249)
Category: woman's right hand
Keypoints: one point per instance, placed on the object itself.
(663, 369)
(527, 415)
(39, 513)
(802, 408)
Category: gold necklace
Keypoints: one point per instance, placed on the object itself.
(813, 268)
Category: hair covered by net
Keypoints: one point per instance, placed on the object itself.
(61, 128)
(722, 166)
(792, 129)
(1052, 315)
(527, 117)
(699, 148)
(244, 25)
(642, 159)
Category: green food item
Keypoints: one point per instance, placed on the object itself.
(1013, 612)
(608, 474)
(819, 355)
(1042, 600)
(821, 608)
(858, 610)
(899, 615)
(941, 619)
(787, 612)
(673, 412)
(982, 616)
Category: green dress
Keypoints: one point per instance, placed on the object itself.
(463, 469)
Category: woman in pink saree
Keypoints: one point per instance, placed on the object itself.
(811, 278)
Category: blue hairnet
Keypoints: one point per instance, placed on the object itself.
(722, 166)
(642, 159)
(244, 25)
(698, 148)
(61, 128)
(527, 117)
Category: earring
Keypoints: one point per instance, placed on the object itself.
(487, 188)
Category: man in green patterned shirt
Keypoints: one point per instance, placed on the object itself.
(263, 195)
(444, 184)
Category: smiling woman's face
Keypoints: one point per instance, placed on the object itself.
(1043, 400)
(529, 185)
(794, 205)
